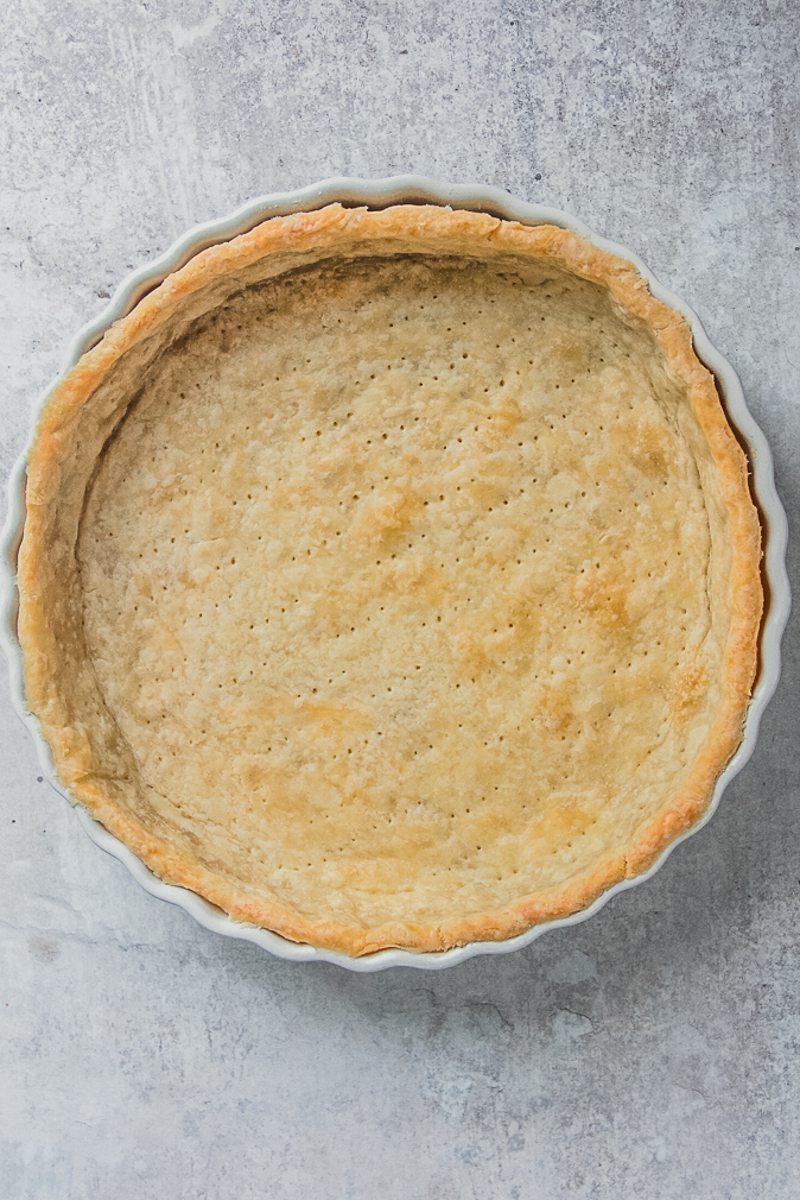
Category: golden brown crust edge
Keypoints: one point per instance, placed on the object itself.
(457, 232)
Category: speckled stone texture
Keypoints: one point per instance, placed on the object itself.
(651, 1053)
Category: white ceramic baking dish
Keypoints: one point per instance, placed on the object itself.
(378, 194)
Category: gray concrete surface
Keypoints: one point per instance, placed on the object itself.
(651, 1053)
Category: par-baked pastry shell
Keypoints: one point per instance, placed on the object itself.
(406, 230)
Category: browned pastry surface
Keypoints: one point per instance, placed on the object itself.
(392, 578)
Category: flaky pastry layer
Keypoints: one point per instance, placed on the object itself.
(392, 578)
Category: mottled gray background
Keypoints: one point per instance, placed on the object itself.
(650, 1053)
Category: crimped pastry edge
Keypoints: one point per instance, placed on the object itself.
(460, 230)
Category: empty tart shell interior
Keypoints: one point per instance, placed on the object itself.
(391, 578)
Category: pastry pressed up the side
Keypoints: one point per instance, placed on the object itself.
(391, 578)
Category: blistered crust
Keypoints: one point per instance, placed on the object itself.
(53, 606)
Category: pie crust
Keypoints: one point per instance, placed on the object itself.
(391, 578)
